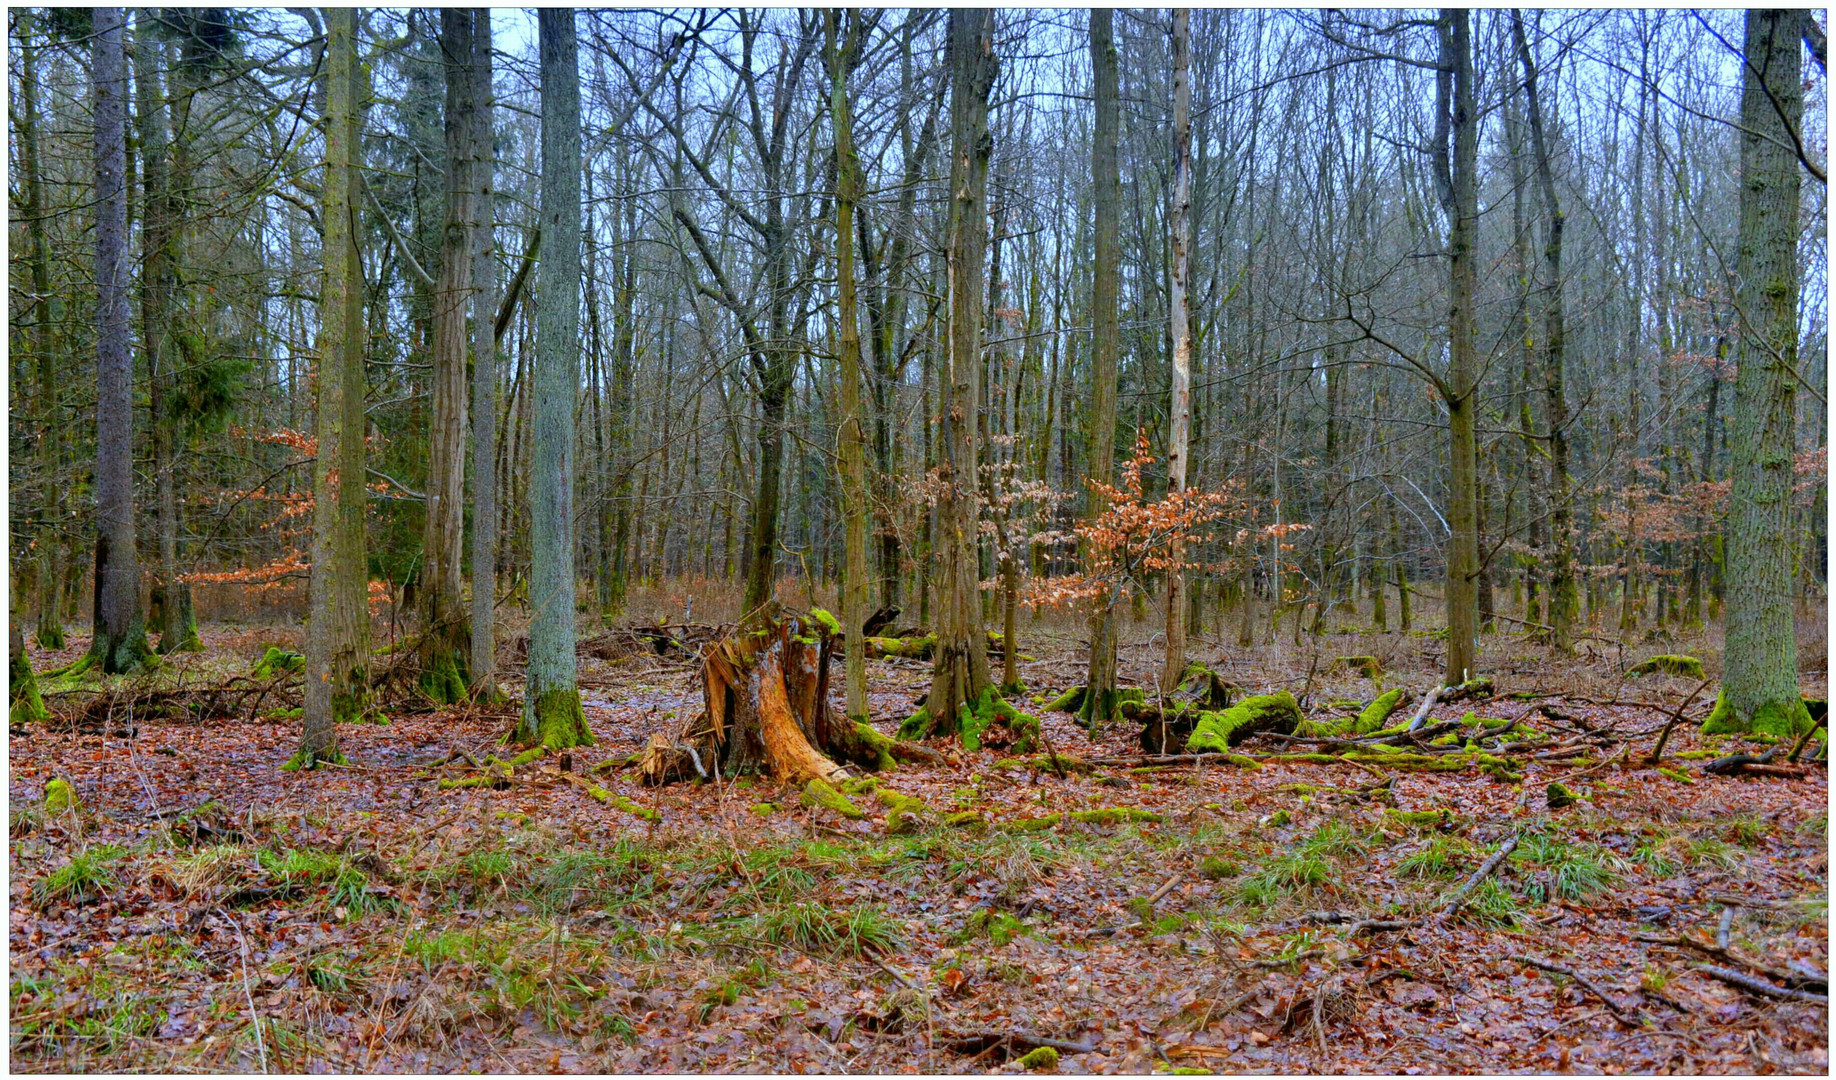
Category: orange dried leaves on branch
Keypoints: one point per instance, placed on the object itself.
(1136, 537)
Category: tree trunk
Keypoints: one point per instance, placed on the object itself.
(444, 632)
(50, 584)
(1760, 689)
(120, 643)
(853, 451)
(552, 715)
(1100, 699)
(329, 663)
(961, 676)
(1459, 198)
(1181, 418)
(484, 372)
(1564, 598)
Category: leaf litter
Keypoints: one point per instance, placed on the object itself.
(199, 909)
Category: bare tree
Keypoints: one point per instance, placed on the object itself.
(960, 674)
(120, 643)
(1181, 406)
(1100, 694)
(1760, 690)
(552, 716)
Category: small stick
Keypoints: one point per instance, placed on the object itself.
(1657, 752)
(1485, 871)
(1579, 978)
(1759, 986)
(1165, 888)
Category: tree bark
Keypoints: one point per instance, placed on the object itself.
(484, 370)
(120, 643)
(853, 450)
(1100, 698)
(552, 715)
(1564, 594)
(1460, 200)
(961, 676)
(329, 660)
(50, 539)
(444, 630)
(1180, 420)
(1760, 688)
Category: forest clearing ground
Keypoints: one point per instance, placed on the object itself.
(204, 910)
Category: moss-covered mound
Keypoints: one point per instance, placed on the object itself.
(1366, 666)
(1276, 712)
(1668, 665)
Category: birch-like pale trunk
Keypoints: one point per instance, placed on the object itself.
(1181, 419)
(484, 370)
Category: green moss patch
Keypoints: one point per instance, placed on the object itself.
(1687, 666)
(1222, 730)
(819, 794)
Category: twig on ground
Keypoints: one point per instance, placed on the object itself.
(1657, 752)
(1582, 980)
(1759, 986)
(1458, 900)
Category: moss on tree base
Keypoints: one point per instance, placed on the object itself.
(307, 760)
(27, 706)
(444, 675)
(1780, 719)
(555, 719)
(819, 794)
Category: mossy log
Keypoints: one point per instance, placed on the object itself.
(1277, 712)
(765, 708)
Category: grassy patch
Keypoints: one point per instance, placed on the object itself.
(1444, 857)
(1293, 874)
(88, 876)
(1562, 869)
(818, 928)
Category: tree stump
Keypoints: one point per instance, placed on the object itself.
(765, 708)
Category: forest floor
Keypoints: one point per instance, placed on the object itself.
(203, 910)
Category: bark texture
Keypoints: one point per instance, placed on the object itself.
(552, 714)
(335, 677)
(1100, 702)
(842, 52)
(120, 643)
(1180, 420)
(1760, 688)
(484, 372)
(960, 674)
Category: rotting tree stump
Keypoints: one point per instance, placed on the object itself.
(765, 708)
